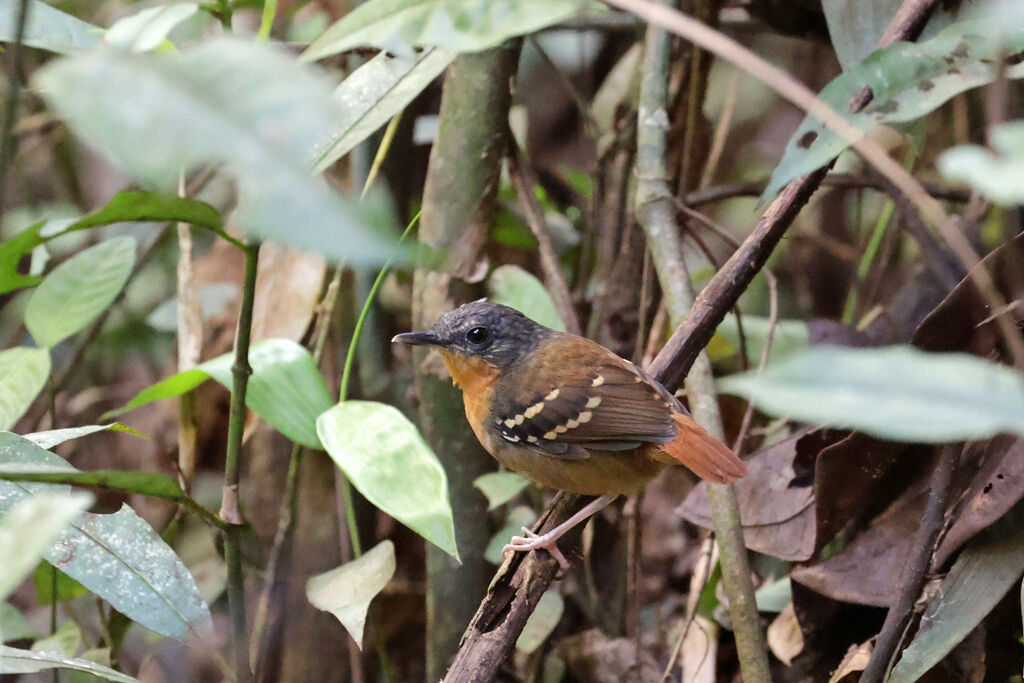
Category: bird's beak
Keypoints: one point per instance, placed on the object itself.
(428, 338)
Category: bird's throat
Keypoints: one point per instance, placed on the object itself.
(473, 374)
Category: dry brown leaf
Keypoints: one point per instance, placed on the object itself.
(855, 661)
(785, 638)
(288, 285)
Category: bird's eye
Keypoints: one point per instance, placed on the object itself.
(478, 336)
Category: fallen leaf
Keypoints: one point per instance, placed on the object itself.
(784, 636)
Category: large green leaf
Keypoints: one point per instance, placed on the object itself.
(384, 456)
(23, 373)
(125, 206)
(995, 175)
(513, 286)
(375, 92)
(286, 389)
(346, 591)
(896, 392)
(119, 557)
(464, 25)
(985, 571)
(16, 661)
(908, 80)
(247, 105)
(78, 290)
(48, 28)
(29, 528)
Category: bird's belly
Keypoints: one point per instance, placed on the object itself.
(604, 472)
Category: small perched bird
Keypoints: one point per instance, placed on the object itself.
(566, 412)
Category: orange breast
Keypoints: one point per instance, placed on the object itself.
(476, 378)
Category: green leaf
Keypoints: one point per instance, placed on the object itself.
(243, 104)
(119, 557)
(896, 392)
(346, 591)
(789, 336)
(374, 93)
(774, 596)
(146, 30)
(286, 389)
(142, 483)
(124, 207)
(23, 373)
(518, 517)
(78, 290)
(995, 175)
(384, 456)
(397, 26)
(14, 625)
(48, 28)
(55, 437)
(67, 589)
(985, 571)
(541, 622)
(513, 286)
(500, 487)
(29, 528)
(65, 640)
(908, 80)
(16, 661)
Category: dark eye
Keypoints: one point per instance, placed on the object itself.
(478, 336)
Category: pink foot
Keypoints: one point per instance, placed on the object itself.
(532, 541)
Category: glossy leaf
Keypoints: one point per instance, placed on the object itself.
(375, 92)
(23, 373)
(346, 591)
(29, 528)
(464, 25)
(243, 104)
(908, 80)
(286, 389)
(55, 437)
(986, 569)
(500, 487)
(513, 286)
(149, 28)
(78, 290)
(996, 175)
(124, 207)
(17, 661)
(895, 392)
(119, 557)
(48, 28)
(384, 456)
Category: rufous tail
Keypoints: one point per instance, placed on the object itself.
(708, 457)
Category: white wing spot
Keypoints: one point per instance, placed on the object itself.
(510, 423)
(533, 410)
(572, 424)
(550, 435)
(598, 381)
(552, 396)
(520, 418)
(594, 402)
(585, 416)
(561, 429)
(531, 438)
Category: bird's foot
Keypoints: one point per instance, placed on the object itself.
(532, 541)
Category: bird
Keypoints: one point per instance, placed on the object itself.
(566, 412)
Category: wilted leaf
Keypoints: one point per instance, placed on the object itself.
(855, 661)
(346, 592)
(286, 389)
(245, 104)
(996, 173)
(375, 92)
(784, 637)
(907, 80)
(118, 557)
(48, 28)
(464, 25)
(78, 290)
(147, 29)
(15, 661)
(29, 528)
(23, 373)
(384, 456)
(513, 286)
(896, 392)
(986, 569)
(500, 487)
(541, 622)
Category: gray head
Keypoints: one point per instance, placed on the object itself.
(498, 334)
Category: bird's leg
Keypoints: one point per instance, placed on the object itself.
(532, 541)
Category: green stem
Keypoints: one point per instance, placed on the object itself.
(241, 370)
(267, 21)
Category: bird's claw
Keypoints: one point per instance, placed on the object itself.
(532, 541)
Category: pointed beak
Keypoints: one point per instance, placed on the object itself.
(428, 338)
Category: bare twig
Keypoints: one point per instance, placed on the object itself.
(524, 182)
(717, 193)
(914, 576)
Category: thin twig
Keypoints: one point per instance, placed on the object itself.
(229, 510)
(698, 581)
(718, 193)
(889, 638)
(524, 182)
(721, 130)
